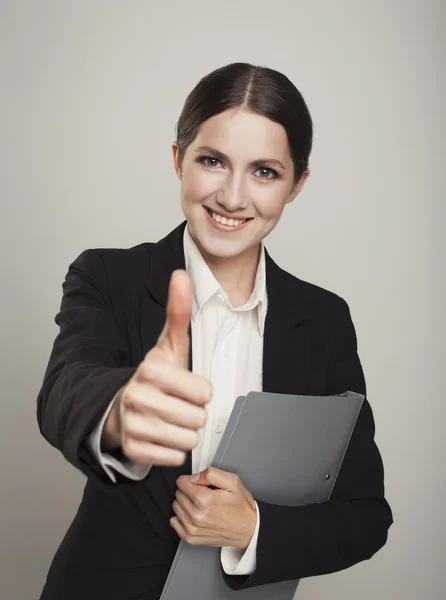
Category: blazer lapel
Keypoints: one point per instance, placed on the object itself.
(286, 336)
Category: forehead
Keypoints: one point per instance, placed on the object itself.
(244, 133)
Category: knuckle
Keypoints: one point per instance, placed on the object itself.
(138, 451)
(149, 370)
(205, 518)
(128, 391)
(199, 519)
(192, 529)
(130, 398)
(203, 500)
(129, 449)
(133, 426)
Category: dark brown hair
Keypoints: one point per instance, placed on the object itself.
(258, 89)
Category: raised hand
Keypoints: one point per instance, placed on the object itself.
(156, 416)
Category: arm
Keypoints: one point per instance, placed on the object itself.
(88, 364)
(318, 539)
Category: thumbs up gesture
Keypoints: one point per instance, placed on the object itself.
(157, 414)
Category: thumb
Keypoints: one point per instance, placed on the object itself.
(215, 478)
(174, 338)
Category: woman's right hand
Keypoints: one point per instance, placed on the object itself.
(156, 416)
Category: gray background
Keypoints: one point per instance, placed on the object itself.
(91, 92)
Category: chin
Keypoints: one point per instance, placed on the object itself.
(219, 250)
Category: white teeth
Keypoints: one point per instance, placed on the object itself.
(225, 221)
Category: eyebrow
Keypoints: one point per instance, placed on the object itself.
(259, 162)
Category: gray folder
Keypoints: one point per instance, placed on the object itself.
(287, 450)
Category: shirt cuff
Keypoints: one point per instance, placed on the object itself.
(108, 462)
(237, 561)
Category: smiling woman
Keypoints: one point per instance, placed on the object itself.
(243, 143)
(158, 341)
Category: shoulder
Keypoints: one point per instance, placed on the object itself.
(315, 298)
(322, 300)
(112, 266)
(327, 315)
(323, 308)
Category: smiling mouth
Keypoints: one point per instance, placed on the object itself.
(225, 220)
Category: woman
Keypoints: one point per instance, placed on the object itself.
(151, 334)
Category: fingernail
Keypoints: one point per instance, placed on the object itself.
(194, 477)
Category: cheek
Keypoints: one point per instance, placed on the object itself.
(197, 186)
(270, 206)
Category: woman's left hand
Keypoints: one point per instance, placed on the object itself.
(225, 516)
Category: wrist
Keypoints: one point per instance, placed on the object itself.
(251, 523)
(111, 432)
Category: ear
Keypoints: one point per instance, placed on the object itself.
(297, 188)
(176, 159)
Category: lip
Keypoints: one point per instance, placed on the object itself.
(220, 226)
(235, 217)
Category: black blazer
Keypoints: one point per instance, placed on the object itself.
(120, 544)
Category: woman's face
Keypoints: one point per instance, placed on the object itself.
(239, 167)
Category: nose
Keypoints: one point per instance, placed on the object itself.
(233, 196)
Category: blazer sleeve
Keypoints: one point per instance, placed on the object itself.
(317, 539)
(88, 364)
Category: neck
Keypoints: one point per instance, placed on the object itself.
(236, 274)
